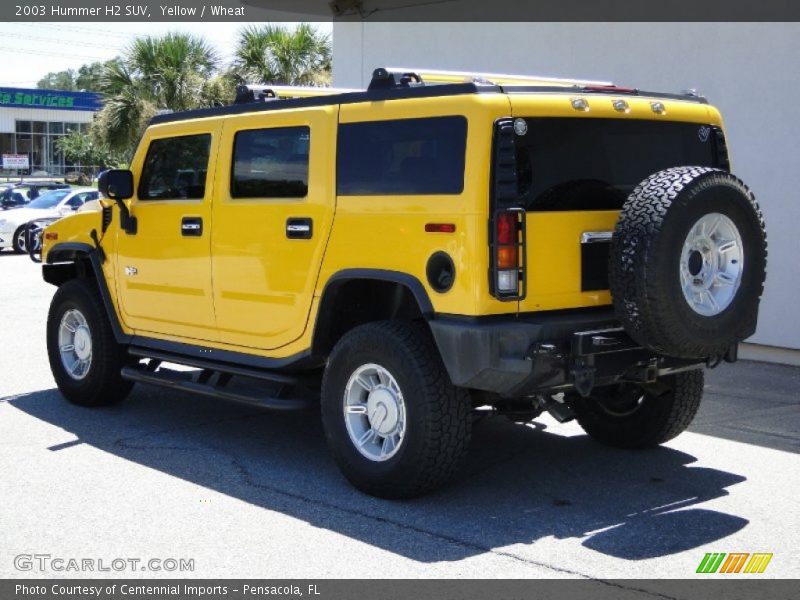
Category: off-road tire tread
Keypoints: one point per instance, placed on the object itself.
(450, 420)
(104, 384)
(637, 289)
(665, 417)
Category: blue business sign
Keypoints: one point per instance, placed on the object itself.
(51, 99)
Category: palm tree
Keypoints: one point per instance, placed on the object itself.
(272, 54)
(156, 73)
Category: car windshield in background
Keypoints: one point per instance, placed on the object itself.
(594, 164)
(48, 199)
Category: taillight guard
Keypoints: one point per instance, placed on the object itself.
(509, 256)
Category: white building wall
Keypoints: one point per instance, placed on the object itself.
(747, 70)
(10, 115)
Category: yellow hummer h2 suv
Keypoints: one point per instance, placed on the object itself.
(433, 248)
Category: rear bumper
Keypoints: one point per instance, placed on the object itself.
(533, 353)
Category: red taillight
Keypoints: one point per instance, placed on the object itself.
(507, 254)
(440, 227)
(507, 228)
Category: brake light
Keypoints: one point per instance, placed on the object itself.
(507, 266)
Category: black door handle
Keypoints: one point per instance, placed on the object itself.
(299, 228)
(192, 226)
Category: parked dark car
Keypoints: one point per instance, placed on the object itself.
(22, 193)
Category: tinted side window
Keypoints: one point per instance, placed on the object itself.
(408, 156)
(175, 168)
(271, 163)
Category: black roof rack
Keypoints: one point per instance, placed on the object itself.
(399, 83)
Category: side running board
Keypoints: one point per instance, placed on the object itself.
(274, 391)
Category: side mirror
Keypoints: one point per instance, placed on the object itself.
(66, 210)
(116, 184)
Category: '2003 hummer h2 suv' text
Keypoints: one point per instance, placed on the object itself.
(437, 247)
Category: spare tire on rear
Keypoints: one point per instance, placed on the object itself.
(688, 261)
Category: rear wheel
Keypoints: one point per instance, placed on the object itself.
(629, 416)
(396, 425)
(85, 358)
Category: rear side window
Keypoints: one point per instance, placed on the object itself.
(271, 163)
(403, 157)
(175, 168)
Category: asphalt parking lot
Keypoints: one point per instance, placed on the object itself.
(248, 493)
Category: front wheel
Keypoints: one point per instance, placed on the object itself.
(18, 241)
(627, 415)
(396, 425)
(85, 358)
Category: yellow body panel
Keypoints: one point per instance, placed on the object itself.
(244, 286)
(554, 259)
(170, 292)
(263, 281)
(388, 232)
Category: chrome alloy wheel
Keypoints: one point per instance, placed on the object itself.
(711, 264)
(374, 412)
(75, 344)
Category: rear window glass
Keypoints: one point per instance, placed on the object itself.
(175, 168)
(402, 157)
(271, 163)
(594, 164)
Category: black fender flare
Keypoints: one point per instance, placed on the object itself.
(65, 253)
(409, 282)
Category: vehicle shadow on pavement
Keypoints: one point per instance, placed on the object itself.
(520, 483)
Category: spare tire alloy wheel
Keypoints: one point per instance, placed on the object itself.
(688, 261)
(711, 264)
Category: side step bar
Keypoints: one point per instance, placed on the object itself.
(202, 363)
(185, 381)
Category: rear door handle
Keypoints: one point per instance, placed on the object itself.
(192, 226)
(299, 228)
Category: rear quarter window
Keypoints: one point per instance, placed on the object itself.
(402, 157)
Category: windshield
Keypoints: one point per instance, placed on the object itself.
(49, 199)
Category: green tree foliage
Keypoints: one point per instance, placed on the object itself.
(180, 71)
(86, 78)
(62, 80)
(167, 72)
(87, 151)
(272, 54)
